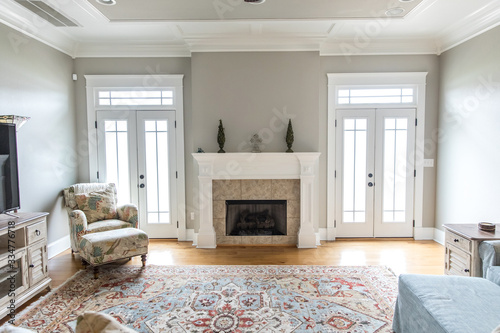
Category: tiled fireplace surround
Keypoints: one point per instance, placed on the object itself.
(258, 176)
(256, 189)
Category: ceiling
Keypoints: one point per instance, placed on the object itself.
(164, 28)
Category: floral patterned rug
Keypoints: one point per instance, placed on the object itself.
(210, 299)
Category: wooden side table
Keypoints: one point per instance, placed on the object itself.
(462, 248)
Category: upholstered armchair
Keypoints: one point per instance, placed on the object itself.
(93, 208)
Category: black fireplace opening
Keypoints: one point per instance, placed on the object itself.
(255, 217)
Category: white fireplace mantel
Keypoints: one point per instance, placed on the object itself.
(303, 166)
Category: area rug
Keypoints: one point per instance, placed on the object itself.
(224, 299)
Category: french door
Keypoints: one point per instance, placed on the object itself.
(136, 151)
(375, 172)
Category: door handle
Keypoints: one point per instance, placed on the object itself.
(142, 186)
(370, 184)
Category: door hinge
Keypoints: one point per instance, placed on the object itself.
(175, 123)
(414, 173)
(176, 174)
(97, 174)
(335, 122)
(416, 121)
(335, 176)
(177, 224)
(96, 124)
(414, 223)
(335, 223)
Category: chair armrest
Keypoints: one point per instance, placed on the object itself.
(489, 251)
(128, 213)
(77, 227)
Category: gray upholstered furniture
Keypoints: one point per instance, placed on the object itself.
(451, 304)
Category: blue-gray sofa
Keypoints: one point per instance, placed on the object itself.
(451, 304)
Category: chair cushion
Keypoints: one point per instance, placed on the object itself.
(107, 246)
(106, 225)
(97, 206)
(91, 322)
(446, 304)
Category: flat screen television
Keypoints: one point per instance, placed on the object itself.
(9, 181)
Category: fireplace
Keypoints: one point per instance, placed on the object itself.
(264, 176)
(256, 218)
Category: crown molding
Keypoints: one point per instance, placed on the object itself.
(107, 50)
(349, 48)
(15, 17)
(476, 23)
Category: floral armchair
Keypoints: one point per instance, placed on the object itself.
(93, 208)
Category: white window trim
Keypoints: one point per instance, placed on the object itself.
(360, 80)
(100, 82)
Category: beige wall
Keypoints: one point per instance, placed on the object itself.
(368, 64)
(469, 150)
(35, 81)
(254, 92)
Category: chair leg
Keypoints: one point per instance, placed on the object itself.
(96, 272)
(84, 264)
(143, 259)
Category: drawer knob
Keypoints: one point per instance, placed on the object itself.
(456, 240)
(37, 232)
(31, 266)
(466, 270)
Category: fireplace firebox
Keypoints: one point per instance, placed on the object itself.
(256, 217)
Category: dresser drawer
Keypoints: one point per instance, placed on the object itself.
(458, 241)
(36, 232)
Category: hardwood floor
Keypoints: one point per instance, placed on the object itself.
(401, 255)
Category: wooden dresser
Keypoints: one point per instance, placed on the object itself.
(462, 248)
(23, 259)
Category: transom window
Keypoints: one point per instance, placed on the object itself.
(135, 97)
(376, 96)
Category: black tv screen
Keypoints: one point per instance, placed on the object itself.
(9, 181)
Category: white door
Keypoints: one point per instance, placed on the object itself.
(375, 172)
(136, 151)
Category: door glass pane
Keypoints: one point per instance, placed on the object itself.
(117, 161)
(354, 191)
(395, 164)
(157, 171)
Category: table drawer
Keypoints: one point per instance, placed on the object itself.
(458, 241)
(36, 232)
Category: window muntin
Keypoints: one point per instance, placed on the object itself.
(159, 97)
(346, 96)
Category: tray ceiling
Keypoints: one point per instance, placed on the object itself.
(163, 28)
(192, 10)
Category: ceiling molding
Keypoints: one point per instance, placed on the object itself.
(470, 26)
(348, 49)
(16, 17)
(62, 39)
(107, 50)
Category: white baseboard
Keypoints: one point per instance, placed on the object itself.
(439, 236)
(323, 234)
(189, 235)
(59, 246)
(423, 233)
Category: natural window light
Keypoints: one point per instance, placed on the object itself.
(376, 96)
(135, 97)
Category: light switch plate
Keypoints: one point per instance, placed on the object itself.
(428, 163)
